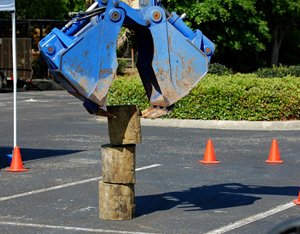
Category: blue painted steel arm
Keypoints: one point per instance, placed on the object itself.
(172, 57)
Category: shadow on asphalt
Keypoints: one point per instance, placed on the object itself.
(6, 90)
(209, 197)
(32, 154)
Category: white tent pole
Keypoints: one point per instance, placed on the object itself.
(15, 77)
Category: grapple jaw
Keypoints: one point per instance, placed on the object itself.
(85, 62)
(169, 63)
(172, 58)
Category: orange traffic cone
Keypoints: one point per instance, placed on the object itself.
(297, 201)
(16, 162)
(209, 154)
(274, 156)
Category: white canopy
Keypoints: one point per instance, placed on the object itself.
(7, 5)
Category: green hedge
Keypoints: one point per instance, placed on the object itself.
(219, 69)
(280, 71)
(231, 97)
(128, 91)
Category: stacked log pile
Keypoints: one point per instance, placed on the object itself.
(116, 190)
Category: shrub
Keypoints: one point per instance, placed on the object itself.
(295, 71)
(219, 69)
(242, 97)
(122, 65)
(235, 97)
(128, 91)
(280, 71)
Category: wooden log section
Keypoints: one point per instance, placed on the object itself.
(116, 201)
(125, 128)
(133, 3)
(118, 164)
(116, 191)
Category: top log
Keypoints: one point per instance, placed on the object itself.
(133, 3)
(125, 128)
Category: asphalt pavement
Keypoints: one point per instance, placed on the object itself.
(60, 144)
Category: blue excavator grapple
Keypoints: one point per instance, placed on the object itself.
(172, 58)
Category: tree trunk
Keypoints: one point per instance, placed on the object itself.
(278, 34)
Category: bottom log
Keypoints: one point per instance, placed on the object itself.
(116, 201)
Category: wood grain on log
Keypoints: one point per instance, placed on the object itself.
(118, 164)
(116, 201)
(125, 128)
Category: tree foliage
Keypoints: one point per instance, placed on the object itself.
(45, 9)
(41, 9)
(248, 33)
(282, 17)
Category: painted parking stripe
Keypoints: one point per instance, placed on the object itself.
(67, 228)
(251, 219)
(32, 100)
(66, 185)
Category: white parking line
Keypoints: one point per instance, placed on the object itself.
(66, 185)
(35, 100)
(69, 228)
(251, 219)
